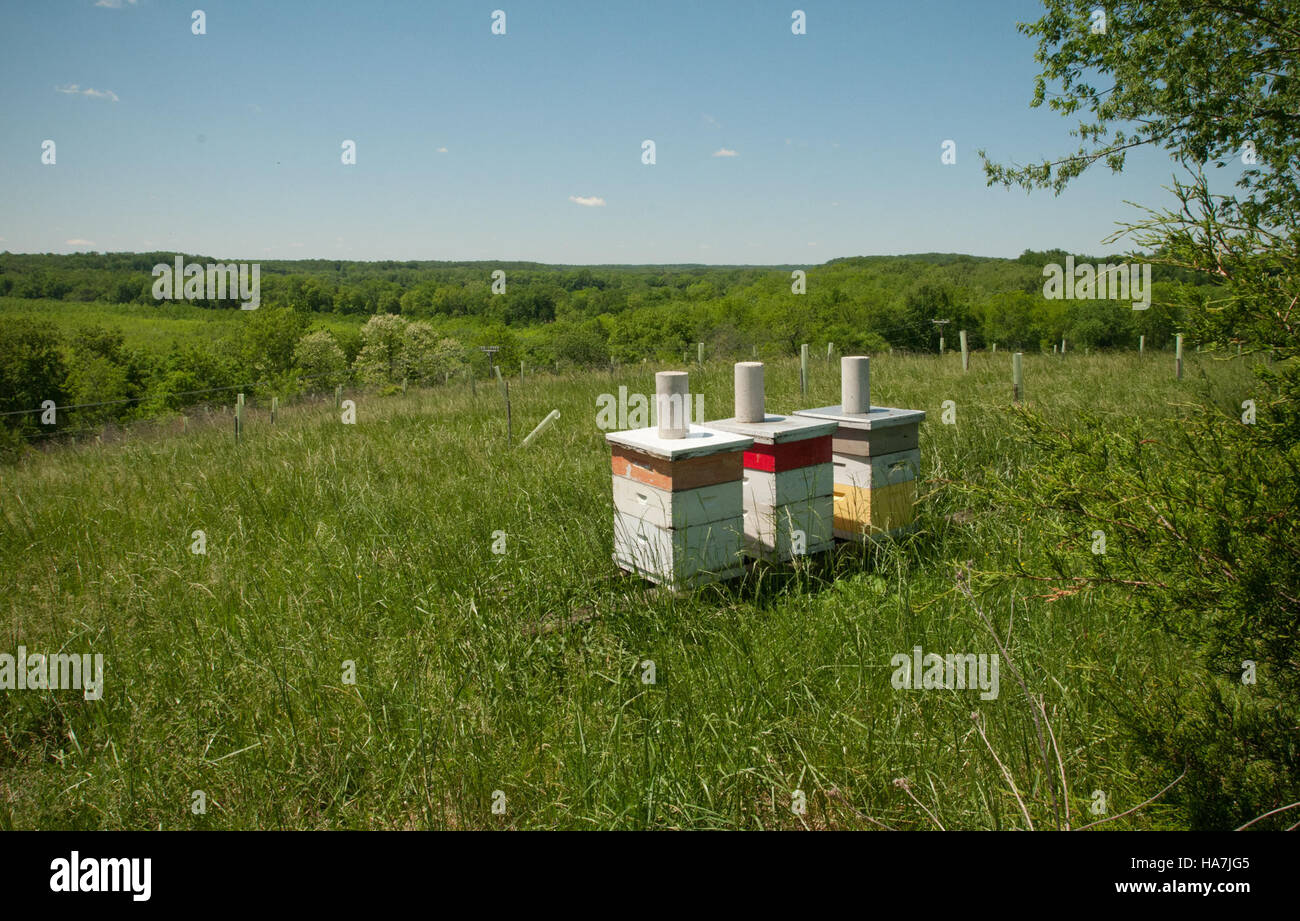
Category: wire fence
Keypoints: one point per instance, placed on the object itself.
(289, 392)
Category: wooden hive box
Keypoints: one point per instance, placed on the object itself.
(788, 485)
(678, 513)
(877, 460)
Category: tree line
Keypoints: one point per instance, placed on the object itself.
(587, 315)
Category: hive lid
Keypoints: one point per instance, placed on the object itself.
(776, 429)
(880, 417)
(700, 441)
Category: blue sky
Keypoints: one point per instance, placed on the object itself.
(474, 146)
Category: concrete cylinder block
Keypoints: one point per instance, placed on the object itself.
(855, 384)
(672, 403)
(750, 400)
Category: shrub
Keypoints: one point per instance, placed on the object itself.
(320, 360)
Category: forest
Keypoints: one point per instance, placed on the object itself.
(380, 323)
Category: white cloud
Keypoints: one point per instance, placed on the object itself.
(113, 4)
(592, 202)
(442, 150)
(723, 152)
(76, 90)
(77, 241)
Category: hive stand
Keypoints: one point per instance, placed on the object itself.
(788, 479)
(876, 454)
(677, 495)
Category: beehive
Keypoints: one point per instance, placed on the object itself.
(876, 455)
(678, 495)
(788, 477)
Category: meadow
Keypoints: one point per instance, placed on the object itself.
(520, 678)
(156, 328)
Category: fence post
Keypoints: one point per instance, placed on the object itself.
(1178, 356)
(699, 346)
(1142, 344)
(803, 369)
(941, 346)
(275, 404)
(965, 353)
(509, 425)
(338, 395)
(1017, 377)
(830, 347)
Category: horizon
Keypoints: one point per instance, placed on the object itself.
(202, 257)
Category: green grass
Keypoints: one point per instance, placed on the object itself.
(372, 543)
(155, 328)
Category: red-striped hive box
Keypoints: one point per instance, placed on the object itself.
(788, 485)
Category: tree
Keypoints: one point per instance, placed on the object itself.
(1203, 539)
(320, 360)
(383, 346)
(584, 343)
(104, 376)
(193, 375)
(100, 387)
(1198, 78)
(31, 371)
(427, 357)
(270, 336)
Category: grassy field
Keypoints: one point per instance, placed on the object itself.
(523, 672)
(153, 328)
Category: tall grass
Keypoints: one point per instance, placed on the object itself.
(524, 672)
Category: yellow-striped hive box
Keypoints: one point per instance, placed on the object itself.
(876, 458)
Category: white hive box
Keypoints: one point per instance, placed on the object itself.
(677, 504)
(789, 483)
